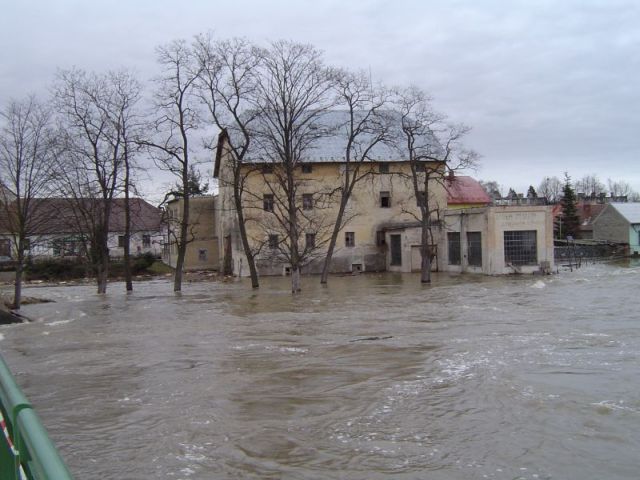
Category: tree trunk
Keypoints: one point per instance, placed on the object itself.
(425, 253)
(332, 243)
(251, 262)
(295, 280)
(127, 232)
(17, 286)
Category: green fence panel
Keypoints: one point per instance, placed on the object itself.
(37, 456)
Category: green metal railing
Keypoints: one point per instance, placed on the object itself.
(26, 451)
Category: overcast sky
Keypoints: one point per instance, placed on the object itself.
(547, 86)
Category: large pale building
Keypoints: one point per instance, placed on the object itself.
(382, 231)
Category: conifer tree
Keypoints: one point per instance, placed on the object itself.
(569, 221)
(531, 193)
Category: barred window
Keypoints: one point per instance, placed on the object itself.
(474, 248)
(273, 241)
(520, 247)
(383, 167)
(453, 242)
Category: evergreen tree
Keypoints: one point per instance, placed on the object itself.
(531, 193)
(512, 195)
(569, 221)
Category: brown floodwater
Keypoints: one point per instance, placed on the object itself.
(372, 377)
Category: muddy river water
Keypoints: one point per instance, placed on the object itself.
(372, 377)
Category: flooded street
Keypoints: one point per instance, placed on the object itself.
(373, 377)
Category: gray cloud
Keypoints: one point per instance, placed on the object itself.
(547, 86)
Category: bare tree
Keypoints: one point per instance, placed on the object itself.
(366, 124)
(620, 188)
(590, 185)
(228, 86)
(27, 152)
(93, 158)
(435, 151)
(175, 119)
(551, 189)
(492, 188)
(293, 91)
(125, 118)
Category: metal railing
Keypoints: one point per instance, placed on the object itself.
(26, 451)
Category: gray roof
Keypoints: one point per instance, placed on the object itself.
(630, 211)
(330, 144)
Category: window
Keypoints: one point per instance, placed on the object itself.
(520, 247)
(26, 245)
(307, 201)
(273, 241)
(202, 254)
(121, 241)
(267, 201)
(453, 243)
(267, 168)
(349, 239)
(146, 241)
(385, 200)
(5, 247)
(380, 238)
(307, 168)
(474, 248)
(310, 240)
(383, 167)
(420, 199)
(420, 168)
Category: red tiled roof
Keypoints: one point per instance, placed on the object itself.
(464, 190)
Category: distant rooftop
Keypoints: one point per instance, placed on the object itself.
(463, 190)
(630, 211)
(330, 144)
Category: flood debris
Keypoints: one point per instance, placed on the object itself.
(369, 339)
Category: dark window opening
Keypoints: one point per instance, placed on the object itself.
(474, 248)
(520, 247)
(380, 238)
(307, 201)
(385, 200)
(267, 201)
(273, 241)
(307, 168)
(421, 199)
(310, 240)
(420, 168)
(121, 241)
(146, 241)
(5, 247)
(267, 168)
(349, 239)
(383, 167)
(396, 249)
(453, 243)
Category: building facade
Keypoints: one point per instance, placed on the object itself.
(202, 246)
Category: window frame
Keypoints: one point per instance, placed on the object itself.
(310, 240)
(349, 239)
(454, 248)
(474, 249)
(383, 167)
(268, 202)
(307, 201)
(385, 199)
(519, 250)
